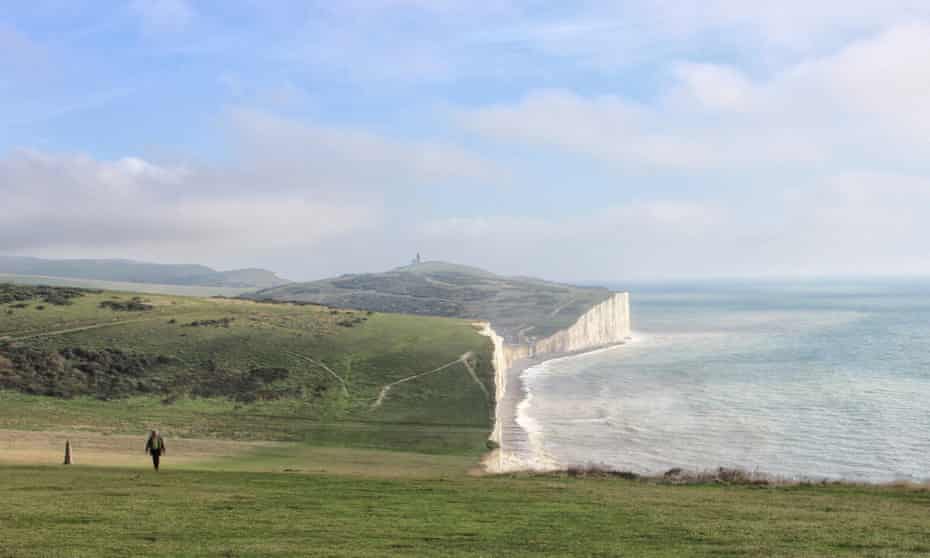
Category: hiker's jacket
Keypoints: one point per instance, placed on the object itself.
(155, 444)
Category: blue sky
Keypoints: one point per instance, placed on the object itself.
(584, 140)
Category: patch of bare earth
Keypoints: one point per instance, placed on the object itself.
(91, 448)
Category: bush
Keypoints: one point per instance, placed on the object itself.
(242, 387)
(592, 470)
(73, 372)
(58, 296)
(222, 322)
(112, 374)
(134, 305)
(351, 320)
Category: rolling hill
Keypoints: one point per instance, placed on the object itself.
(520, 308)
(229, 368)
(140, 272)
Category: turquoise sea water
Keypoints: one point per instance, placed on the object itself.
(800, 380)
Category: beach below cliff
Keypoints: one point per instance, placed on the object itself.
(518, 450)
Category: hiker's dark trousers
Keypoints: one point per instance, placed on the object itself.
(156, 455)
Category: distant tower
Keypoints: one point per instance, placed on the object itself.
(418, 260)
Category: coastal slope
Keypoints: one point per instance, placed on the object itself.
(527, 320)
(523, 310)
(605, 324)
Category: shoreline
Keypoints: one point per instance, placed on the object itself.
(504, 460)
(510, 434)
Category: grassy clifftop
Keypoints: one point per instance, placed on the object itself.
(241, 369)
(208, 513)
(520, 308)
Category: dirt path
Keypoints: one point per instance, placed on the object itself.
(345, 386)
(92, 448)
(561, 307)
(474, 376)
(72, 330)
(384, 391)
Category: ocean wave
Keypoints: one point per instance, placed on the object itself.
(800, 392)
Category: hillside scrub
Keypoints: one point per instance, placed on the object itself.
(134, 305)
(58, 296)
(246, 387)
(106, 374)
(115, 374)
(222, 322)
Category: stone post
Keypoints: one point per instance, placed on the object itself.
(68, 460)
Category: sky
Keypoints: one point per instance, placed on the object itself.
(587, 140)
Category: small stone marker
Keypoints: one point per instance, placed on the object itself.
(68, 452)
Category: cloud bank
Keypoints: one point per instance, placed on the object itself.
(594, 140)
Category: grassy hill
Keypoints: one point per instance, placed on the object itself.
(239, 369)
(141, 272)
(519, 307)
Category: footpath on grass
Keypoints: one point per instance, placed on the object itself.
(461, 360)
(92, 449)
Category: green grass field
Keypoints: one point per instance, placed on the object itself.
(92, 512)
(336, 363)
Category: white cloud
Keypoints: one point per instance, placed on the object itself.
(796, 24)
(291, 188)
(135, 208)
(20, 52)
(868, 97)
(337, 158)
(163, 15)
(714, 87)
(620, 132)
(846, 223)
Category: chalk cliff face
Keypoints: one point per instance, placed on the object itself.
(607, 323)
(504, 357)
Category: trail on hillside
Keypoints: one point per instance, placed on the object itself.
(384, 391)
(474, 375)
(345, 386)
(561, 307)
(73, 330)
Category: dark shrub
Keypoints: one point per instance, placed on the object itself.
(222, 322)
(51, 295)
(72, 372)
(134, 305)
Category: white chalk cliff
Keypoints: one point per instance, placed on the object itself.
(605, 324)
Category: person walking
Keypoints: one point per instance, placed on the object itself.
(155, 446)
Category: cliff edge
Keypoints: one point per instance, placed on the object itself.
(605, 324)
(526, 319)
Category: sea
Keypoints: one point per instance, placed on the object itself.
(796, 380)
